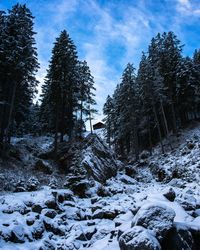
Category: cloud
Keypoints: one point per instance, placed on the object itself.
(188, 7)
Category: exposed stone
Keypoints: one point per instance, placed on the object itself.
(170, 194)
(51, 204)
(37, 208)
(17, 234)
(87, 234)
(157, 218)
(138, 238)
(37, 230)
(53, 227)
(51, 214)
(41, 166)
(130, 171)
(178, 238)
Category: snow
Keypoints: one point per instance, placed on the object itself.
(126, 196)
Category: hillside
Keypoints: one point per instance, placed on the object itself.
(151, 204)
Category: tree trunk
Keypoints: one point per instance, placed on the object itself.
(56, 133)
(158, 127)
(90, 119)
(150, 138)
(7, 130)
(174, 118)
(166, 125)
(81, 128)
(135, 134)
(62, 123)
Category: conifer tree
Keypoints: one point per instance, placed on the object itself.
(20, 65)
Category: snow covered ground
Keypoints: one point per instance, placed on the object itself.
(57, 219)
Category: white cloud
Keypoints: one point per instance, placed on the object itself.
(132, 29)
(188, 8)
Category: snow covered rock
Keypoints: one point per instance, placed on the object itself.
(138, 238)
(157, 218)
(98, 159)
(187, 201)
(89, 157)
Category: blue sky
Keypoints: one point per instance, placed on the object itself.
(110, 33)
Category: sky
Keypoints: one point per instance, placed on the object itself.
(109, 34)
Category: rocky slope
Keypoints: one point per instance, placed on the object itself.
(153, 204)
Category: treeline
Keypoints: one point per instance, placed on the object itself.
(163, 96)
(68, 93)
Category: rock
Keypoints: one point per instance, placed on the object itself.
(178, 238)
(37, 208)
(158, 171)
(157, 218)
(188, 202)
(127, 180)
(94, 200)
(170, 194)
(43, 167)
(80, 188)
(61, 197)
(144, 155)
(197, 212)
(51, 204)
(17, 234)
(87, 234)
(37, 230)
(30, 221)
(96, 151)
(109, 214)
(53, 227)
(130, 171)
(196, 235)
(138, 238)
(20, 186)
(48, 245)
(51, 214)
(190, 145)
(98, 214)
(103, 191)
(32, 184)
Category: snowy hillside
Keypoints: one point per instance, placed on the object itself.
(154, 204)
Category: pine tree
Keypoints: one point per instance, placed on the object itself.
(170, 59)
(85, 95)
(20, 60)
(59, 97)
(108, 113)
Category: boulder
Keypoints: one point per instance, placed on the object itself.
(170, 194)
(51, 204)
(178, 238)
(138, 238)
(80, 188)
(37, 230)
(43, 167)
(52, 226)
(32, 184)
(188, 202)
(87, 234)
(50, 213)
(130, 171)
(157, 218)
(37, 208)
(98, 159)
(17, 234)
